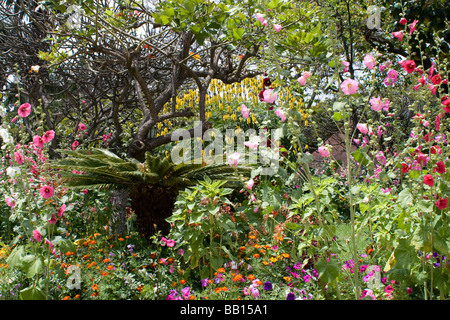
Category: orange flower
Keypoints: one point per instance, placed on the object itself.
(110, 267)
(252, 237)
(77, 296)
(106, 260)
(251, 277)
(174, 284)
(95, 294)
(94, 287)
(170, 260)
(182, 281)
(217, 290)
(285, 255)
(66, 298)
(273, 259)
(69, 253)
(104, 273)
(139, 289)
(265, 263)
(221, 270)
(256, 255)
(287, 279)
(225, 289)
(237, 277)
(121, 239)
(242, 248)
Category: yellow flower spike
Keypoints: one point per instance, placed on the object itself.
(249, 120)
(233, 117)
(306, 122)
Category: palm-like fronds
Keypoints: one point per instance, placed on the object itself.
(99, 167)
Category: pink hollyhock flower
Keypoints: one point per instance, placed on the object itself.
(245, 112)
(375, 104)
(250, 184)
(61, 210)
(37, 235)
(52, 220)
(19, 157)
(302, 80)
(398, 35)
(369, 61)
(324, 152)
(412, 26)
(24, 110)
(269, 96)
(441, 204)
(261, 19)
(423, 80)
(38, 142)
(349, 86)
(233, 159)
(280, 113)
(10, 202)
(52, 250)
(392, 74)
(362, 127)
(403, 21)
(440, 167)
(385, 105)
(75, 144)
(251, 144)
(432, 88)
(306, 74)
(48, 136)
(345, 64)
(428, 180)
(81, 126)
(85, 191)
(277, 27)
(46, 191)
(408, 65)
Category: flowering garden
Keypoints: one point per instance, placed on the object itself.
(315, 165)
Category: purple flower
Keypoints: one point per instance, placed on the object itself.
(290, 296)
(267, 286)
(306, 278)
(204, 282)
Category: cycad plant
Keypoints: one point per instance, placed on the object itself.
(152, 186)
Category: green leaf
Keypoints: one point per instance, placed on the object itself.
(15, 258)
(328, 271)
(66, 245)
(405, 198)
(405, 254)
(33, 265)
(337, 116)
(360, 157)
(238, 33)
(32, 293)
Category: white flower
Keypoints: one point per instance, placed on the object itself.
(13, 172)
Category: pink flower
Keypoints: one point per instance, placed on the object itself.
(10, 202)
(233, 159)
(37, 235)
(436, 79)
(46, 191)
(280, 113)
(392, 74)
(432, 88)
(250, 184)
(38, 142)
(324, 152)
(251, 144)
(61, 210)
(349, 86)
(277, 27)
(428, 180)
(48, 242)
(52, 220)
(48, 136)
(412, 26)
(302, 80)
(362, 127)
(269, 96)
(75, 144)
(168, 242)
(375, 104)
(441, 204)
(369, 61)
(403, 21)
(261, 19)
(345, 64)
(245, 112)
(81, 126)
(19, 157)
(24, 110)
(398, 35)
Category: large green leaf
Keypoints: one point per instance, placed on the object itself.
(328, 271)
(32, 293)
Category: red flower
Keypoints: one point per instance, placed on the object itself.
(405, 168)
(408, 65)
(436, 79)
(440, 167)
(441, 204)
(435, 150)
(428, 180)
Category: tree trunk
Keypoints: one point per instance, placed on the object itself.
(153, 204)
(119, 201)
